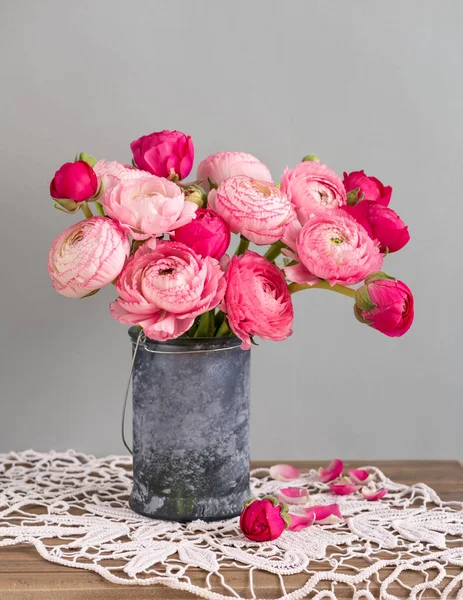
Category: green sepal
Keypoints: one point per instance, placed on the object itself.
(212, 185)
(66, 205)
(250, 501)
(91, 160)
(287, 519)
(90, 294)
(353, 197)
(359, 317)
(98, 193)
(134, 164)
(253, 342)
(377, 276)
(273, 500)
(310, 158)
(362, 298)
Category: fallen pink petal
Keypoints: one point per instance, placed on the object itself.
(359, 476)
(284, 472)
(299, 522)
(344, 487)
(326, 514)
(332, 471)
(294, 495)
(373, 494)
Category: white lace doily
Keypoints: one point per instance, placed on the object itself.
(410, 538)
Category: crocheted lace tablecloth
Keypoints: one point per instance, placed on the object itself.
(73, 508)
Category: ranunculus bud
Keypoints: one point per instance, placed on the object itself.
(386, 304)
(207, 234)
(194, 193)
(74, 182)
(264, 520)
(381, 223)
(365, 187)
(164, 153)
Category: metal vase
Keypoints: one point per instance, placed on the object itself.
(190, 428)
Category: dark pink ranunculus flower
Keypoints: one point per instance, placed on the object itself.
(207, 234)
(164, 153)
(370, 187)
(74, 181)
(257, 300)
(386, 304)
(382, 224)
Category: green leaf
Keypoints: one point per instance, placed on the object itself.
(206, 325)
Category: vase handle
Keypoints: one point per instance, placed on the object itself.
(126, 395)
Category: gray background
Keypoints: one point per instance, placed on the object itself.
(373, 85)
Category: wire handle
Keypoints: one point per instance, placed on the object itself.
(127, 388)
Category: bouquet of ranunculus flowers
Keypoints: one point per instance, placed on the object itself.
(163, 242)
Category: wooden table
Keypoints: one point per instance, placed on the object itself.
(24, 575)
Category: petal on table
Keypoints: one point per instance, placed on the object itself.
(284, 472)
(294, 495)
(332, 471)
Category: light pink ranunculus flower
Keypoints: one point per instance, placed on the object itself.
(257, 300)
(333, 246)
(113, 172)
(222, 165)
(164, 286)
(87, 256)
(312, 188)
(256, 209)
(148, 206)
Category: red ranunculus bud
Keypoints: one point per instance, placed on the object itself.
(264, 520)
(368, 187)
(386, 304)
(74, 181)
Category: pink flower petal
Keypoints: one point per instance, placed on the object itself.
(373, 494)
(359, 476)
(284, 472)
(332, 471)
(344, 487)
(294, 495)
(326, 515)
(299, 522)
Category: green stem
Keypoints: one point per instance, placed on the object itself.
(243, 245)
(99, 209)
(86, 210)
(206, 325)
(323, 285)
(274, 251)
(223, 330)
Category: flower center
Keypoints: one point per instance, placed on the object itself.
(337, 240)
(262, 188)
(167, 271)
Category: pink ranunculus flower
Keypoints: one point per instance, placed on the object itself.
(369, 188)
(381, 223)
(222, 165)
(257, 300)
(87, 256)
(333, 246)
(164, 153)
(164, 286)
(147, 207)
(264, 520)
(74, 181)
(207, 234)
(256, 209)
(386, 304)
(312, 188)
(113, 172)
